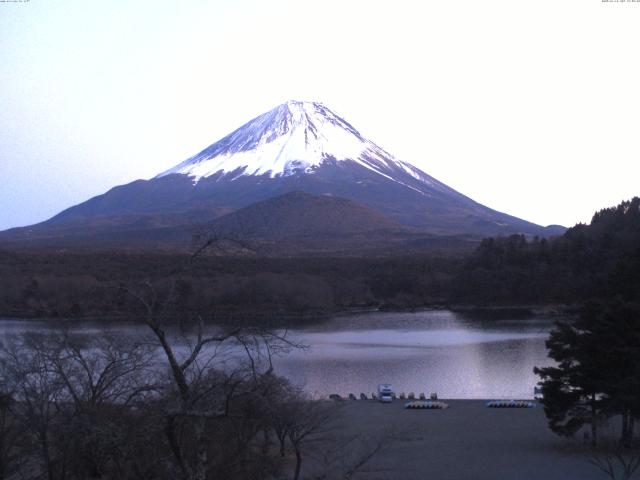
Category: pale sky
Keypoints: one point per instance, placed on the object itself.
(529, 107)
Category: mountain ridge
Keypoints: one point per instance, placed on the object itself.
(297, 146)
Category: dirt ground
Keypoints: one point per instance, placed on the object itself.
(466, 441)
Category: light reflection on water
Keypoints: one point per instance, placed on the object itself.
(431, 351)
(434, 351)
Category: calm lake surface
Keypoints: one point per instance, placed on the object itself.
(431, 351)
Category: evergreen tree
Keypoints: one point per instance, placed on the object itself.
(598, 370)
(617, 327)
(571, 396)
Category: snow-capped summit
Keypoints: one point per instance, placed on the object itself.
(293, 138)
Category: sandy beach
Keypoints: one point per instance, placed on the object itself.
(466, 441)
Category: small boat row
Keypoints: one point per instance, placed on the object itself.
(363, 396)
(418, 404)
(510, 404)
(383, 396)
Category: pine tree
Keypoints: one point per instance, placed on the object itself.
(571, 396)
(598, 370)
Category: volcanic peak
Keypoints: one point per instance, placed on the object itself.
(293, 138)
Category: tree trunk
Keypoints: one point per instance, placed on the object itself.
(266, 442)
(296, 474)
(282, 451)
(46, 455)
(625, 429)
(594, 418)
(200, 470)
(3, 461)
(177, 372)
(628, 425)
(174, 444)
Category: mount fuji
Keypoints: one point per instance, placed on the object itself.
(293, 139)
(296, 147)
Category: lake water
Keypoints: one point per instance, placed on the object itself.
(434, 351)
(431, 351)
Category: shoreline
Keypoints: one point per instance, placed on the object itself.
(466, 440)
(479, 311)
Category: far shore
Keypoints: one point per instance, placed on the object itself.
(298, 318)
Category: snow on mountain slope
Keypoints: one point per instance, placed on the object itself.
(296, 147)
(294, 138)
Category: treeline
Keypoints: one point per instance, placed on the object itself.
(82, 285)
(599, 260)
(588, 261)
(596, 371)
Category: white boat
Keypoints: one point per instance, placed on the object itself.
(385, 393)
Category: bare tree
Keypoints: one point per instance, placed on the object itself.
(309, 421)
(206, 373)
(344, 457)
(210, 370)
(10, 438)
(70, 392)
(618, 463)
(98, 370)
(101, 374)
(40, 396)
